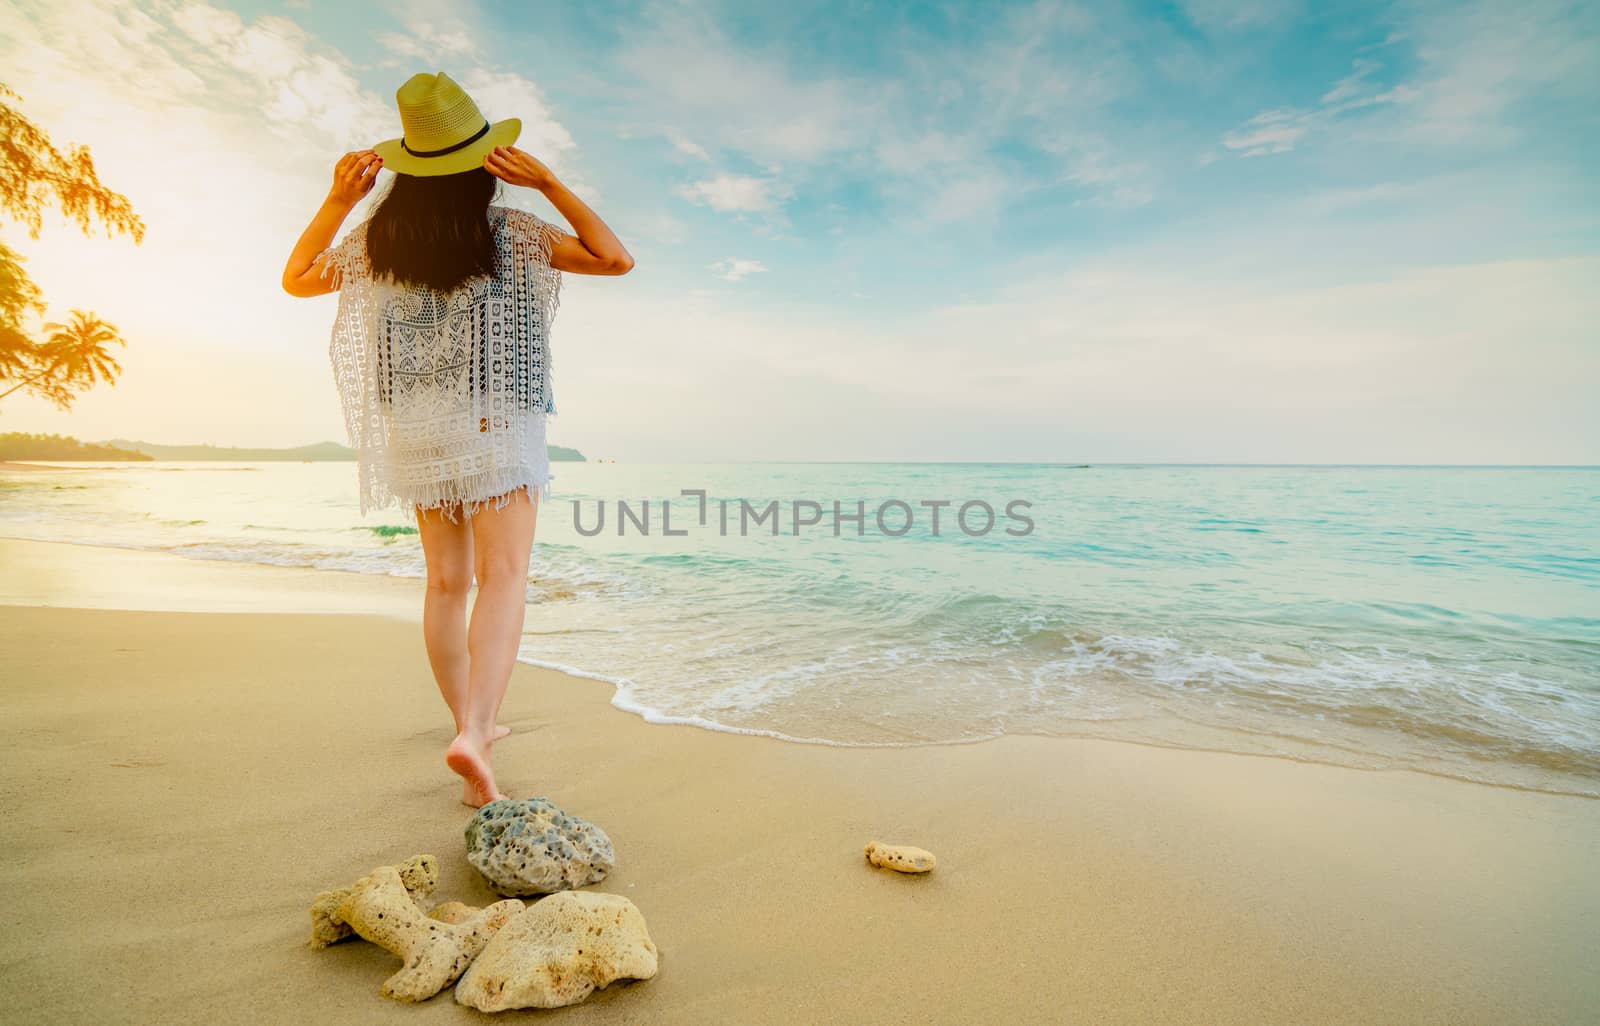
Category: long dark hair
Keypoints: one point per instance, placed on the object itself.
(434, 230)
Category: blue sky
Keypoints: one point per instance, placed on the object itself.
(1255, 231)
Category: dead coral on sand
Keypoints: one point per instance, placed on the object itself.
(558, 952)
(419, 874)
(435, 949)
(902, 858)
(561, 950)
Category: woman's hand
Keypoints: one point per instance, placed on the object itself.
(354, 175)
(516, 167)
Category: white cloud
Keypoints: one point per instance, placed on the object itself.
(974, 193)
(688, 147)
(926, 151)
(1050, 74)
(1475, 63)
(436, 32)
(1272, 131)
(1046, 62)
(426, 41)
(269, 68)
(689, 71)
(1279, 130)
(729, 192)
(1091, 162)
(1480, 60)
(733, 269)
(1353, 84)
(933, 126)
(208, 25)
(401, 44)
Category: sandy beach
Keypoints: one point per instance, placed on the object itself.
(179, 784)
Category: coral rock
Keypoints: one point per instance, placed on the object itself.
(434, 952)
(452, 912)
(902, 858)
(558, 952)
(419, 875)
(530, 846)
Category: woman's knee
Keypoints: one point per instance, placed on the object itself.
(501, 568)
(455, 582)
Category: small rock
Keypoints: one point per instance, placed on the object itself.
(529, 846)
(902, 858)
(558, 952)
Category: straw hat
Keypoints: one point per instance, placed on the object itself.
(444, 132)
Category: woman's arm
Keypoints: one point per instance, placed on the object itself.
(352, 179)
(594, 249)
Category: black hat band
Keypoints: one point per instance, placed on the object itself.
(463, 144)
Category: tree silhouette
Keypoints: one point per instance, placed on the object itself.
(18, 296)
(75, 356)
(34, 175)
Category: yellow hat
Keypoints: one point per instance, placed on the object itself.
(444, 132)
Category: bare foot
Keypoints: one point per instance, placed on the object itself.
(469, 796)
(500, 731)
(469, 793)
(470, 761)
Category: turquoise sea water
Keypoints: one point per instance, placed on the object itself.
(1439, 619)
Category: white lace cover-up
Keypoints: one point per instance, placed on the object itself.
(445, 394)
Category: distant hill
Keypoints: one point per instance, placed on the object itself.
(16, 445)
(321, 451)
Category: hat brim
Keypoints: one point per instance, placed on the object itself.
(396, 159)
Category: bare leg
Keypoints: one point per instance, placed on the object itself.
(502, 540)
(447, 551)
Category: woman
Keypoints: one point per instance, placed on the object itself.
(440, 352)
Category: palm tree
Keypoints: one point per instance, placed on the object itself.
(72, 356)
(78, 349)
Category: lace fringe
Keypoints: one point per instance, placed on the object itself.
(452, 497)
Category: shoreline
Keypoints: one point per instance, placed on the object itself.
(181, 583)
